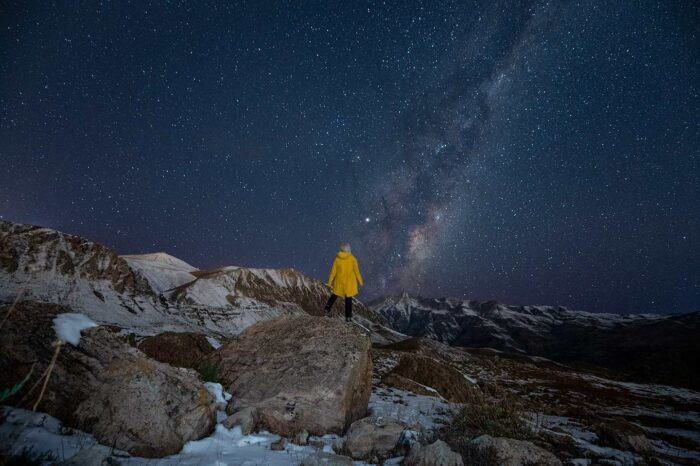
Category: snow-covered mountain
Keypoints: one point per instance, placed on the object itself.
(49, 266)
(646, 346)
(151, 293)
(162, 271)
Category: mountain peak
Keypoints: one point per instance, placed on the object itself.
(162, 259)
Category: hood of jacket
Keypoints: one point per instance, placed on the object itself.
(343, 255)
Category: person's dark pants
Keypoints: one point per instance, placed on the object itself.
(348, 305)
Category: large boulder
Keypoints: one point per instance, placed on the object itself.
(437, 453)
(247, 418)
(104, 386)
(373, 438)
(300, 373)
(184, 349)
(511, 452)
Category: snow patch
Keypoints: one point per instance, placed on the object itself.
(45, 434)
(217, 391)
(429, 412)
(68, 326)
(214, 342)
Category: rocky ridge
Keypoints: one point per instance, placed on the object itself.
(141, 293)
(644, 347)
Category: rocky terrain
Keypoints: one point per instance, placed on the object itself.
(643, 347)
(135, 360)
(141, 293)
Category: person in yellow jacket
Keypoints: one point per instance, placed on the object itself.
(345, 274)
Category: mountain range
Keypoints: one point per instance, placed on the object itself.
(144, 292)
(646, 347)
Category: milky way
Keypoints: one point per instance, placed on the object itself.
(440, 138)
(530, 152)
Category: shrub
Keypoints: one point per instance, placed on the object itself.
(500, 417)
(8, 392)
(208, 372)
(475, 456)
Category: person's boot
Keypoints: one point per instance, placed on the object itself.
(348, 319)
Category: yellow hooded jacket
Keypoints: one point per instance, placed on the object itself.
(346, 274)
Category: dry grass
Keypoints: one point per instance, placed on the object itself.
(498, 417)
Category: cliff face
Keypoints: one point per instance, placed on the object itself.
(54, 267)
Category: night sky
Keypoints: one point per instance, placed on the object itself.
(529, 152)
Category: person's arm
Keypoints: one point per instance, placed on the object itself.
(332, 275)
(357, 271)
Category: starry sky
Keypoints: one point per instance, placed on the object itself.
(528, 152)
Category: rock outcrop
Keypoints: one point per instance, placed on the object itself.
(50, 266)
(437, 453)
(299, 372)
(183, 349)
(105, 386)
(373, 439)
(511, 452)
(246, 418)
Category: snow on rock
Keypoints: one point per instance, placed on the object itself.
(163, 271)
(106, 386)
(424, 412)
(69, 325)
(152, 293)
(45, 434)
(161, 259)
(214, 342)
(217, 391)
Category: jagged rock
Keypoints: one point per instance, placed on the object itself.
(247, 418)
(177, 349)
(300, 372)
(52, 266)
(105, 386)
(278, 445)
(326, 459)
(511, 452)
(622, 435)
(437, 453)
(369, 437)
(338, 444)
(640, 443)
(446, 380)
(302, 438)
